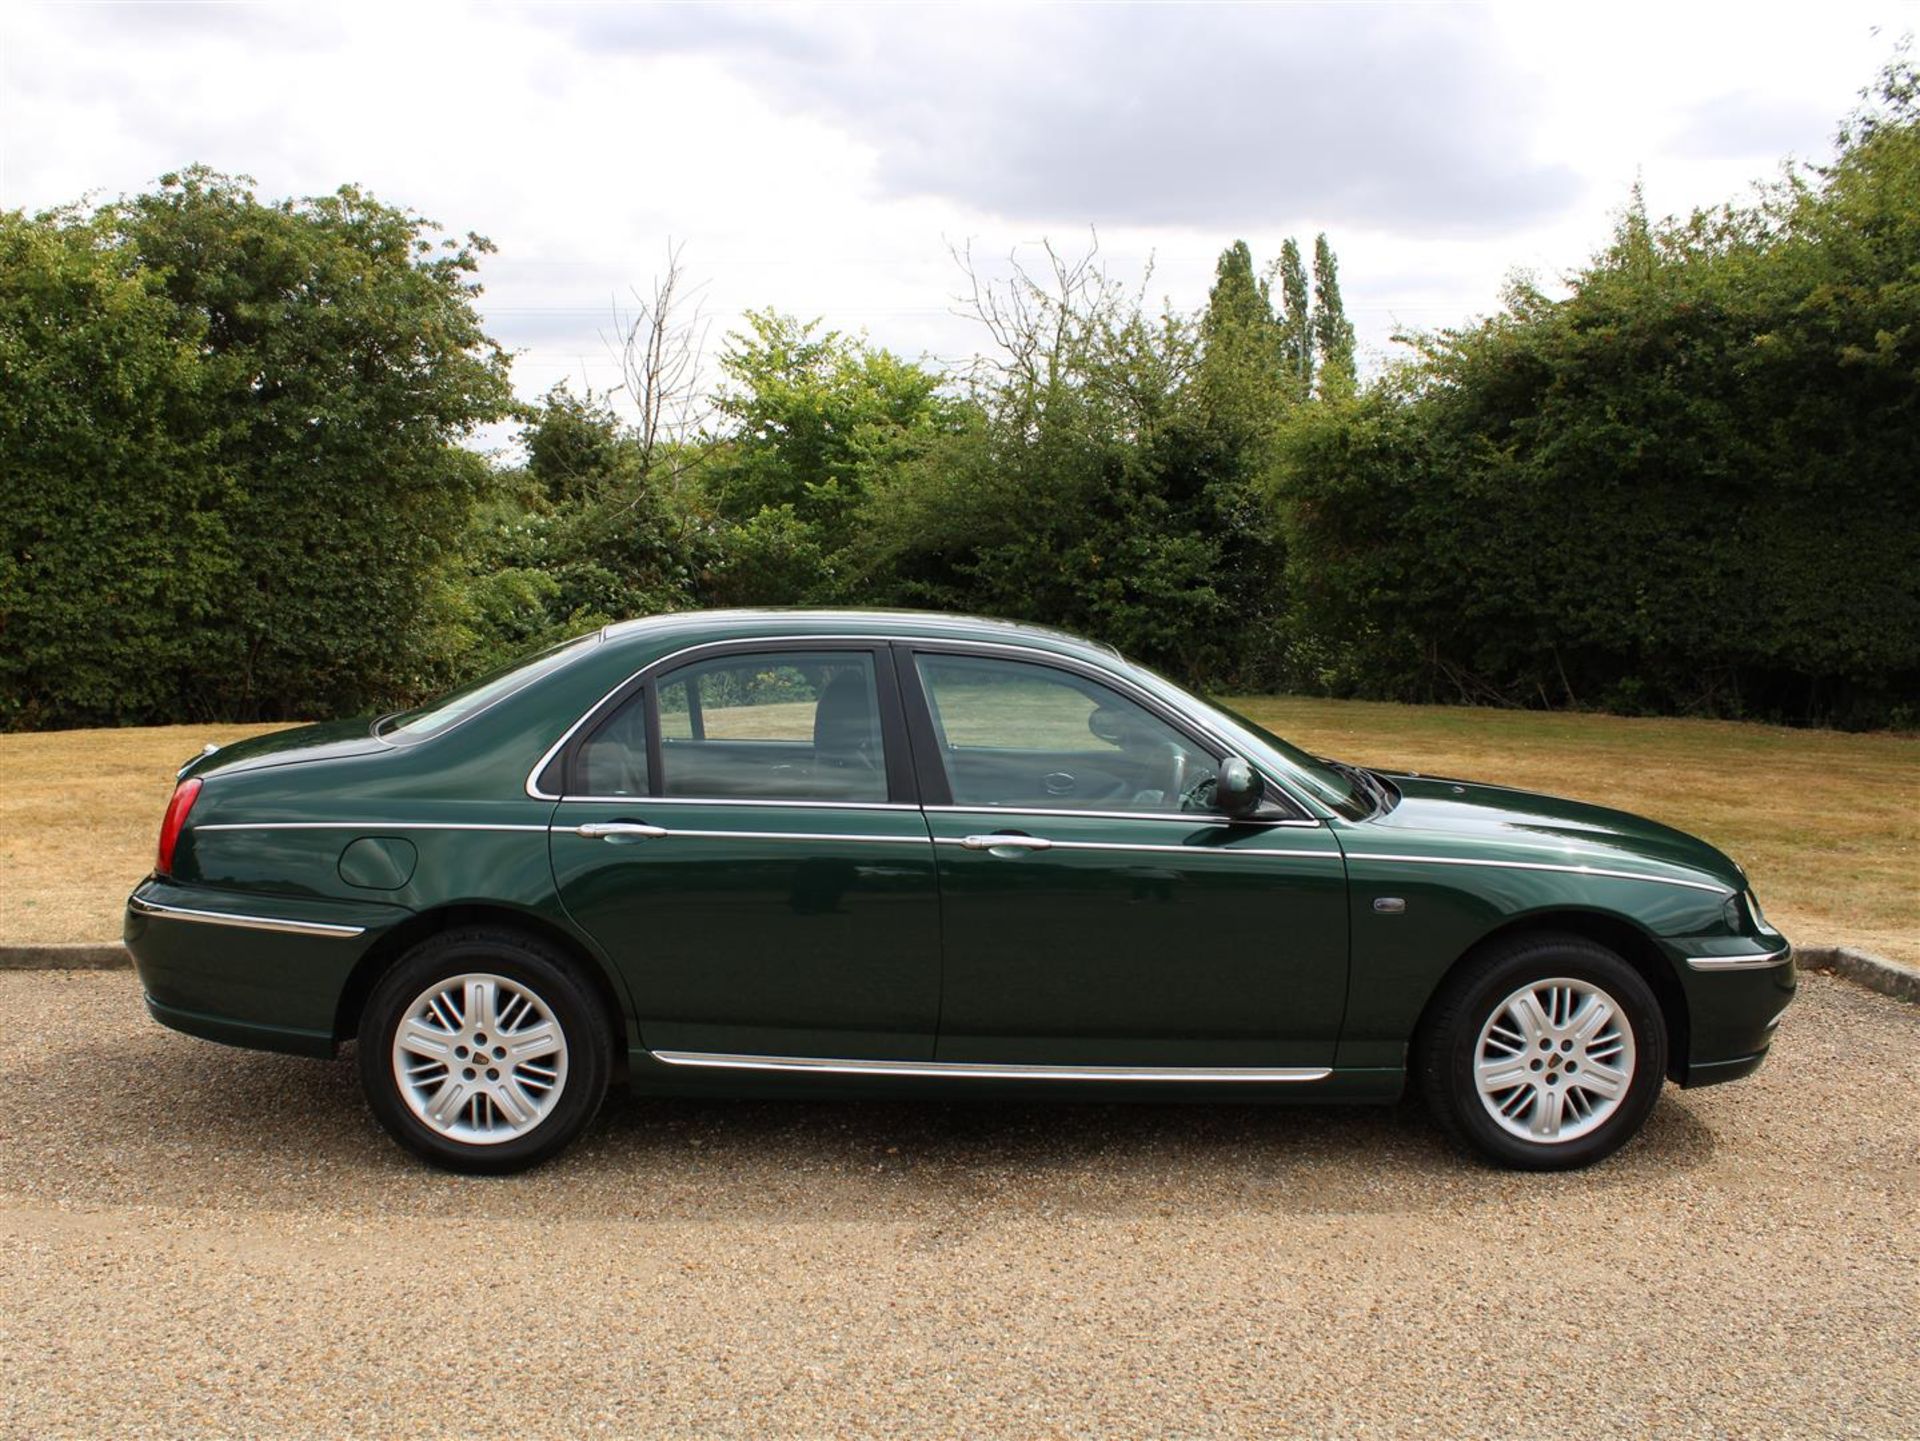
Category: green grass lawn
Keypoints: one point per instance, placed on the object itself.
(1827, 824)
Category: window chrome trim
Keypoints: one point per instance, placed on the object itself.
(248, 923)
(699, 835)
(371, 827)
(1189, 818)
(1744, 963)
(957, 643)
(1057, 845)
(738, 801)
(991, 1070)
(1539, 866)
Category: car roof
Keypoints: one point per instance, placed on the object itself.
(697, 627)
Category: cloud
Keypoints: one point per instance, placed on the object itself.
(1746, 124)
(1397, 118)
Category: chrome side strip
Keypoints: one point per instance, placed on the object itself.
(1540, 866)
(247, 923)
(1742, 963)
(1205, 851)
(370, 827)
(991, 1071)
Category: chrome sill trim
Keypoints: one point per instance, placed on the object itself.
(369, 827)
(1540, 866)
(247, 923)
(1198, 818)
(1743, 963)
(992, 1071)
(1201, 851)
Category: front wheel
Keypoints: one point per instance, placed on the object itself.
(1545, 1053)
(482, 1052)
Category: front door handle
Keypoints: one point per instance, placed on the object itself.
(619, 831)
(1004, 844)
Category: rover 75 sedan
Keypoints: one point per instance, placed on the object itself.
(838, 853)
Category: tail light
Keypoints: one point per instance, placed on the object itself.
(175, 821)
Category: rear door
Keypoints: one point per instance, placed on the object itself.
(1097, 910)
(740, 834)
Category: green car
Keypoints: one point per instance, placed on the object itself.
(841, 853)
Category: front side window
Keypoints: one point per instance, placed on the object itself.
(782, 725)
(1026, 736)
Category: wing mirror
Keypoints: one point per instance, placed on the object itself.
(1237, 790)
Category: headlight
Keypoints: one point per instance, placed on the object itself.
(1753, 913)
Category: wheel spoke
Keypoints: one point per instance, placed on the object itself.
(1591, 1020)
(1534, 1021)
(446, 1103)
(535, 1041)
(1498, 1073)
(1548, 1106)
(1603, 1081)
(515, 1108)
(417, 1038)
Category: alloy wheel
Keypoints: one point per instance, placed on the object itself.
(1554, 1060)
(479, 1058)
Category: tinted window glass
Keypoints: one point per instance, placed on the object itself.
(1017, 734)
(613, 762)
(453, 708)
(784, 725)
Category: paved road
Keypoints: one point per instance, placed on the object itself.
(194, 1239)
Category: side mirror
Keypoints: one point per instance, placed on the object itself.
(1237, 791)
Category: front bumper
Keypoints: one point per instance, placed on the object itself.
(1736, 994)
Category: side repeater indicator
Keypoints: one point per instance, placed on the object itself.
(1389, 905)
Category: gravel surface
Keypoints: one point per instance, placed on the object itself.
(196, 1239)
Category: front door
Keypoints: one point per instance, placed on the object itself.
(1096, 910)
(739, 835)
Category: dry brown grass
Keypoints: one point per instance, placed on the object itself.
(1828, 825)
(79, 817)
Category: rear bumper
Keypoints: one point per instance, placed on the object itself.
(249, 970)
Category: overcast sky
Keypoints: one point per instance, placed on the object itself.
(821, 159)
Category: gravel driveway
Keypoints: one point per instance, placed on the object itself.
(200, 1239)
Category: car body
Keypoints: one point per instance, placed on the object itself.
(860, 852)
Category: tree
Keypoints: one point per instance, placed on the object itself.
(1332, 331)
(816, 418)
(314, 460)
(1296, 321)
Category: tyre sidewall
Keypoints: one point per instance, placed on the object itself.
(1539, 962)
(569, 1002)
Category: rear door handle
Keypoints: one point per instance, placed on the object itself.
(619, 831)
(1006, 845)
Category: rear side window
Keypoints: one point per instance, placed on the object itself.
(784, 725)
(613, 762)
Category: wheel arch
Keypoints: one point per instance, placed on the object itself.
(1624, 937)
(397, 941)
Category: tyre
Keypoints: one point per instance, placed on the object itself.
(1543, 1053)
(483, 1051)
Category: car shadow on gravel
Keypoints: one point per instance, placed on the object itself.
(162, 1119)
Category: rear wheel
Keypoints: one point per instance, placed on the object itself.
(482, 1051)
(1544, 1053)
